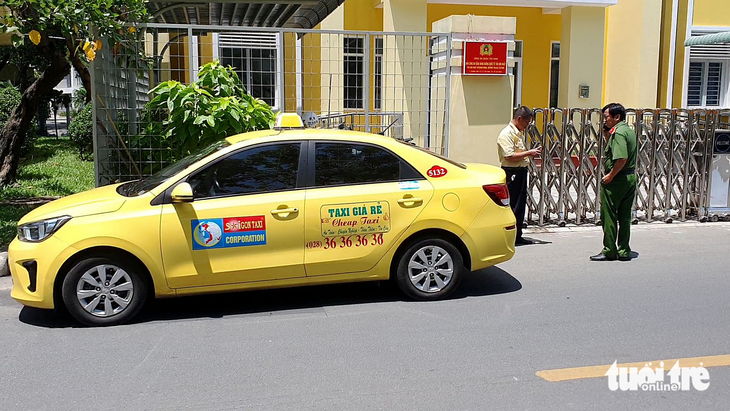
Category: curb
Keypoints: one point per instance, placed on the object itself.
(4, 270)
(654, 225)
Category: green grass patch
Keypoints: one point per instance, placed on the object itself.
(52, 168)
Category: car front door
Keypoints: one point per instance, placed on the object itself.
(245, 223)
(361, 200)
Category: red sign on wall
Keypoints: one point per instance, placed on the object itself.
(484, 58)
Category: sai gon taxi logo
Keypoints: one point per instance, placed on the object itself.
(207, 234)
(653, 379)
(485, 50)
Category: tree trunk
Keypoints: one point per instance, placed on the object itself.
(14, 132)
(55, 121)
(79, 67)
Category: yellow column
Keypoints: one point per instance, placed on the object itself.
(632, 53)
(581, 56)
(480, 106)
(405, 67)
(331, 64)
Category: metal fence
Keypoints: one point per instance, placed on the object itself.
(366, 81)
(674, 154)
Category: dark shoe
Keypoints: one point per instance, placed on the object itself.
(523, 241)
(602, 257)
(624, 258)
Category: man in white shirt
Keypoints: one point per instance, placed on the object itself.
(514, 159)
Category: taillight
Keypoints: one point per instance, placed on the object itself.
(498, 192)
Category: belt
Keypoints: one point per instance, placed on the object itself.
(513, 168)
(626, 172)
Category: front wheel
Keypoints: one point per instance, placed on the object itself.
(101, 291)
(430, 269)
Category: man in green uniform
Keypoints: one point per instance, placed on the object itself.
(618, 187)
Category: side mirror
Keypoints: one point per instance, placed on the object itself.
(182, 193)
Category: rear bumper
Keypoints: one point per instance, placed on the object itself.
(491, 237)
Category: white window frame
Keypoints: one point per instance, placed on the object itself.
(703, 92)
(361, 102)
(378, 64)
(278, 86)
(713, 53)
(550, 77)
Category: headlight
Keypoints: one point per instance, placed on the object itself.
(40, 230)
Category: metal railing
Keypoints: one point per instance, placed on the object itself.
(367, 81)
(674, 153)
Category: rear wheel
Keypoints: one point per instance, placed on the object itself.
(102, 291)
(429, 269)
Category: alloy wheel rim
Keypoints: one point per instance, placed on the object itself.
(430, 269)
(105, 290)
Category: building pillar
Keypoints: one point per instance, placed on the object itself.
(581, 56)
(632, 56)
(480, 106)
(331, 63)
(405, 67)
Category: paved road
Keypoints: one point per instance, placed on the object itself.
(363, 347)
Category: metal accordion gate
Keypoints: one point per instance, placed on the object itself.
(674, 153)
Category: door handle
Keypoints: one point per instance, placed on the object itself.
(410, 201)
(280, 211)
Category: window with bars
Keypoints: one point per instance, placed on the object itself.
(254, 58)
(705, 84)
(354, 55)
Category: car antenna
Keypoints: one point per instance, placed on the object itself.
(382, 133)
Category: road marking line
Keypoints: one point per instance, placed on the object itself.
(596, 371)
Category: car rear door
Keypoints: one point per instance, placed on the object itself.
(360, 200)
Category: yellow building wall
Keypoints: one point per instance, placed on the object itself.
(581, 55)
(632, 55)
(361, 15)
(535, 29)
(711, 13)
(205, 46)
(311, 76)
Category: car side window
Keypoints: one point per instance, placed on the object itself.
(260, 169)
(353, 163)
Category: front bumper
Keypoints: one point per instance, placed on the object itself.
(33, 267)
(491, 237)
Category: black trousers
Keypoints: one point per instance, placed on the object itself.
(517, 186)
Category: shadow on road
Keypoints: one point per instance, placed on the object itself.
(489, 281)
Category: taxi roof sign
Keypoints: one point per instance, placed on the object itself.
(288, 120)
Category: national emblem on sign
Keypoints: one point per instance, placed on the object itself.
(485, 50)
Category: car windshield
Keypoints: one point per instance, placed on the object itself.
(139, 187)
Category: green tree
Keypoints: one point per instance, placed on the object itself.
(181, 118)
(64, 34)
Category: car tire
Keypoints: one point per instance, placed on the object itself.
(101, 291)
(429, 269)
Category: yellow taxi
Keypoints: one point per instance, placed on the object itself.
(275, 208)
